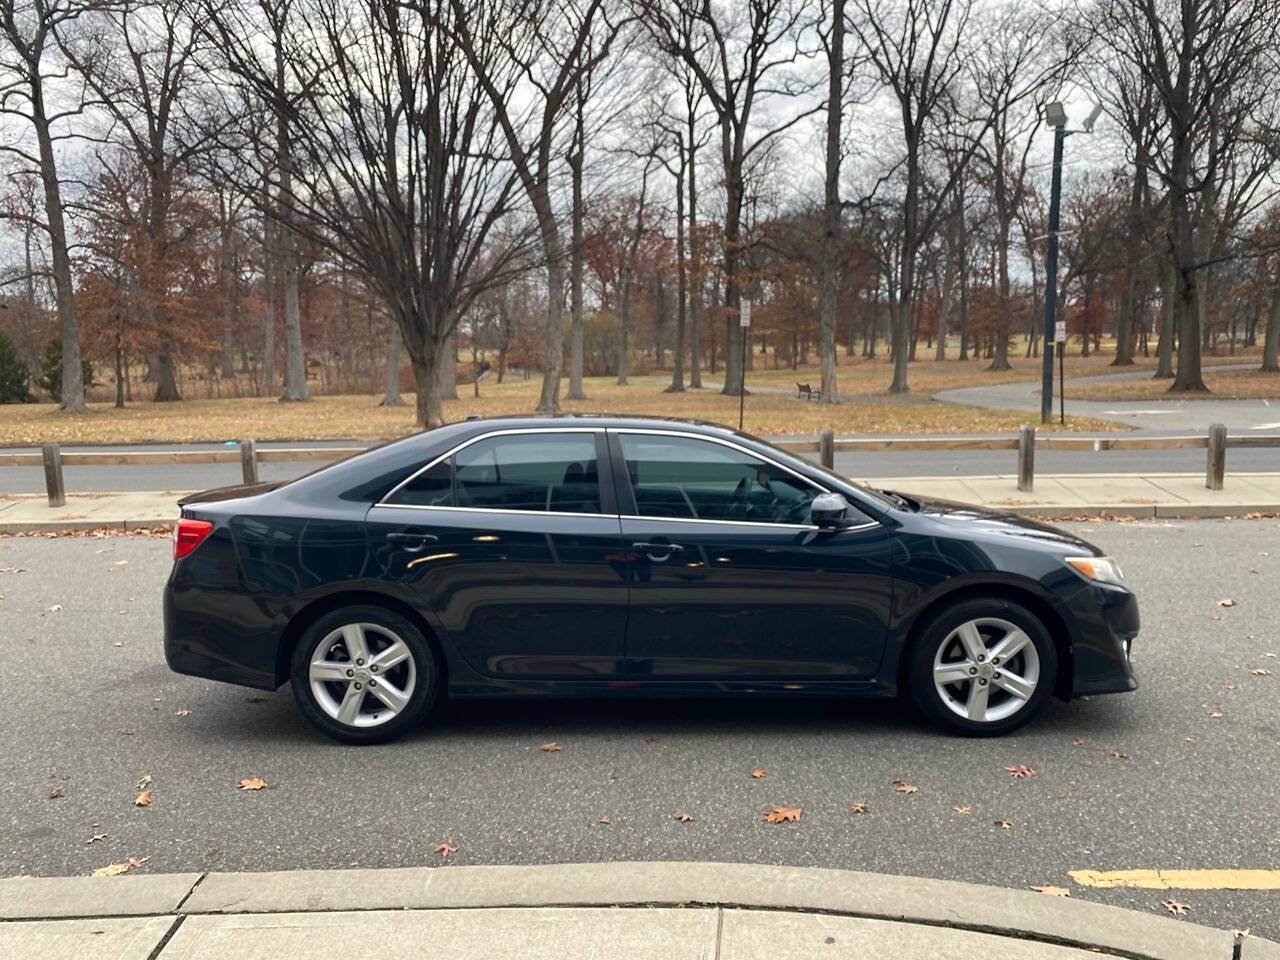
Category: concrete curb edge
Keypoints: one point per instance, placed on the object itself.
(941, 903)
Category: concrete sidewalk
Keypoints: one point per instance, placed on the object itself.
(629, 911)
(1133, 495)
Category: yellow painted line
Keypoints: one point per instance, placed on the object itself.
(1179, 879)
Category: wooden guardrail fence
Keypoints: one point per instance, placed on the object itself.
(826, 445)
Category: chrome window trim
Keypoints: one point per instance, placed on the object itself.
(747, 523)
(476, 439)
(491, 510)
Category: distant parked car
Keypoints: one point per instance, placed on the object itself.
(615, 557)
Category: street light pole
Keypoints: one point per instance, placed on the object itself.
(1057, 119)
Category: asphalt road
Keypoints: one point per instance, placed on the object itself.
(201, 476)
(89, 707)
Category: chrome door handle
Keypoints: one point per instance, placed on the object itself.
(412, 542)
(650, 549)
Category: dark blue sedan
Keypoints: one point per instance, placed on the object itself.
(592, 556)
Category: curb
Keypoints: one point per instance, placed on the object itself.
(939, 903)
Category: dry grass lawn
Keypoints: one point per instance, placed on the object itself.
(359, 417)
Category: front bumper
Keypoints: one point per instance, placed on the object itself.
(1107, 622)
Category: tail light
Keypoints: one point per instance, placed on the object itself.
(188, 535)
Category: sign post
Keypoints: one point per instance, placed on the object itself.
(744, 321)
(1060, 338)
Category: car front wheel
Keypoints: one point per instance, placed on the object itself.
(364, 674)
(983, 668)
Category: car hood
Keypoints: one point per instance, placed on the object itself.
(237, 492)
(981, 520)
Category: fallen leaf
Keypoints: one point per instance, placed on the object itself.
(1021, 771)
(1004, 824)
(907, 788)
(252, 783)
(1174, 907)
(1053, 891)
(444, 849)
(55, 793)
(783, 814)
(1259, 672)
(117, 644)
(1077, 742)
(758, 773)
(549, 747)
(685, 817)
(605, 820)
(115, 869)
(144, 782)
(183, 713)
(860, 807)
(1216, 715)
(55, 608)
(143, 799)
(1228, 602)
(963, 811)
(650, 739)
(1117, 755)
(96, 838)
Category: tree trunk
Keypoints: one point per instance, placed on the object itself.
(1187, 299)
(72, 398)
(295, 368)
(269, 289)
(682, 279)
(428, 410)
(228, 299)
(553, 331)
(1164, 345)
(119, 372)
(827, 303)
(695, 262)
(575, 269)
(448, 368)
(391, 395)
(1004, 222)
(1271, 345)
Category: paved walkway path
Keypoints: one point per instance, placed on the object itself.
(628, 911)
(1190, 415)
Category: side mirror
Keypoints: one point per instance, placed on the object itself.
(828, 511)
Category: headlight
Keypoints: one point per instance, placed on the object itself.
(1102, 569)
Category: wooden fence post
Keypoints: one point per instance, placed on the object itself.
(827, 448)
(1217, 465)
(53, 482)
(1026, 457)
(249, 460)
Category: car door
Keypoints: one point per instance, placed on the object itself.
(513, 545)
(729, 577)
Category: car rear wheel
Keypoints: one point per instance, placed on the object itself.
(364, 674)
(983, 668)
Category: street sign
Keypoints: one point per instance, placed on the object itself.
(1060, 331)
(744, 314)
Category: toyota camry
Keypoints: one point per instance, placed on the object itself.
(612, 556)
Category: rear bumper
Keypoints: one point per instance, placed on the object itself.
(200, 644)
(1107, 622)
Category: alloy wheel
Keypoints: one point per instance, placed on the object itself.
(986, 670)
(362, 675)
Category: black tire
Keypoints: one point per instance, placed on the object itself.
(426, 676)
(939, 631)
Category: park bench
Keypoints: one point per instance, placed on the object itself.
(804, 390)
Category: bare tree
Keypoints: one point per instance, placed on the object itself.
(1206, 61)
(916, 48)
(548, 46)
(398, 168)
(29, 31)
(738, 61)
